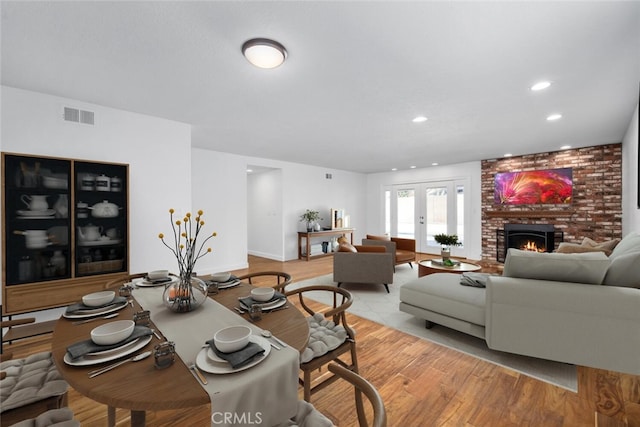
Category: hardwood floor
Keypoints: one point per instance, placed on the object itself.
(422, 384)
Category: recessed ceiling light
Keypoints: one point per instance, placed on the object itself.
(540, 85)
(264, 53)
(553, 117)
(394, 169)
(412, 167)
(565, 147)
(507, 155)
(249, 170)
(434, 164)
(419, 119)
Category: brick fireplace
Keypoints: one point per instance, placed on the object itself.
(528, 237)
(596, 208)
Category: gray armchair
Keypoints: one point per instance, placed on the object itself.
(363, 264)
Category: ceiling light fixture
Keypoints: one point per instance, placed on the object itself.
(565, 147)
(540, 86)
(553, 117)
(419, 119)
(264, 53)
(507, 155)
(412, 167)
(394, 169)
(434, 164)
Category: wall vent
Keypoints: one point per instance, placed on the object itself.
(79, 116)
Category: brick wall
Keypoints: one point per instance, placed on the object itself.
(596, 211)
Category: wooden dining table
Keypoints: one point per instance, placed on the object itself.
(139, 386)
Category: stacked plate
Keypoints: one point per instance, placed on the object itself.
(278, 300)
(82, 311)
(208, 361)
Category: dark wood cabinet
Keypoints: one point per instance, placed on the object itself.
(65, 229)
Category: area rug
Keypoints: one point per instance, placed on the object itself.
(374, 303)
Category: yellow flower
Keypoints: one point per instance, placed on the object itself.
(184, 234)
(200, 212)
(161, 235)
(201, 222)
(214, 234)
(178, 222)
(208, 249)
(188, 214)
(171, 210)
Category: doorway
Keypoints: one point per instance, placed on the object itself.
(421, 210)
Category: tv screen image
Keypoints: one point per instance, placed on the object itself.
(548, 186)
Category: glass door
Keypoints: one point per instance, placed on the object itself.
(422, 210)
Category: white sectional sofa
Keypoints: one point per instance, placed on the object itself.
(579, 308)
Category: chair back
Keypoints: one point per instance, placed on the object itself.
(341, 299)
(363, 386)
(281, 279)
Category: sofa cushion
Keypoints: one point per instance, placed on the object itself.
(589, 267)
(442, 293)
(630, 243)
(576, 248)
(607, 247)
(624, 271)
(324, 336)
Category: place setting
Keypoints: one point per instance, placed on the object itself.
(96, 304)
(267, 299)
(156, 278)
(223, 280)
(232, 349)
(107, 342)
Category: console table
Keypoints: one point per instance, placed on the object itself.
(308, 235)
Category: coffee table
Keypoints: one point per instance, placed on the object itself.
(426, 266)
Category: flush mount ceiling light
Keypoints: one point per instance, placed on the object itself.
(264, 53)
(554, 117)
(540, 86)
(419, 119)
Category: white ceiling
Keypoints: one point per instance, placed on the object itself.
(356, 74)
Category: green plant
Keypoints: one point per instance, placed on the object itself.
(310, 216)
(447, 239)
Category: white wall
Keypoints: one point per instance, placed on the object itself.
(630, 210)
(157, 151)
(222, 190)
(462, 171)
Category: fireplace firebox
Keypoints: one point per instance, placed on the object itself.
(528, 237)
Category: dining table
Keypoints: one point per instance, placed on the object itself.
(265, 392)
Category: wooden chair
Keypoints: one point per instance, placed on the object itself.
(361, 386)
(341, 299)
(116, 283)
(281, 278)
(10, 324)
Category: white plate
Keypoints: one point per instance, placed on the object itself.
(226, 285)
(45, 213)
(268, 306)
(126, 350)
(95, 313)
(144, 283)
(203, 362)
(100, 242)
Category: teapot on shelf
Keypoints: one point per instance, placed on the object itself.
(89, 233)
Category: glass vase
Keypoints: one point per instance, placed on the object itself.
(445, 253)
(184, 295)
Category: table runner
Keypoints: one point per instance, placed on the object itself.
(265, 394)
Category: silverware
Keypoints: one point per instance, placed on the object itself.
(276, 309)
(201, 377)
(240, 310)
(108, 316)
(135, 358)
(156, 334)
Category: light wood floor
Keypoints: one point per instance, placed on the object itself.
(422, 384)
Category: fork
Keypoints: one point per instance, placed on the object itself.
(201, 377)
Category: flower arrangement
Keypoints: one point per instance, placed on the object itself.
(310, 216)
(447, 239)
(187, 251)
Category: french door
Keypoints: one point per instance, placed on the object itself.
(421, 210)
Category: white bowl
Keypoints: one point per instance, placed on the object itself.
(220, 277)
(262, 294)
(231, 339)
(97, 299)
(112, 332)
(158, 274)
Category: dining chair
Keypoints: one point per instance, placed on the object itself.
(309, 416)
(330, 335)
(30, 386)
(281, 279)
(10, 324)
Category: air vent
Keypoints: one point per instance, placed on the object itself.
(78, 116)
(71, 114)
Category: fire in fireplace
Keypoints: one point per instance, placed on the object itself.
(528, 237)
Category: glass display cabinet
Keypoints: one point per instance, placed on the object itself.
(65, 229)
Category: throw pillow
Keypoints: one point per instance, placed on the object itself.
(624, 271)
(630, 243)
(343, 239)
(589, 267)
(607, 247)
(346, 247)
(575, 248)
(371, 237)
